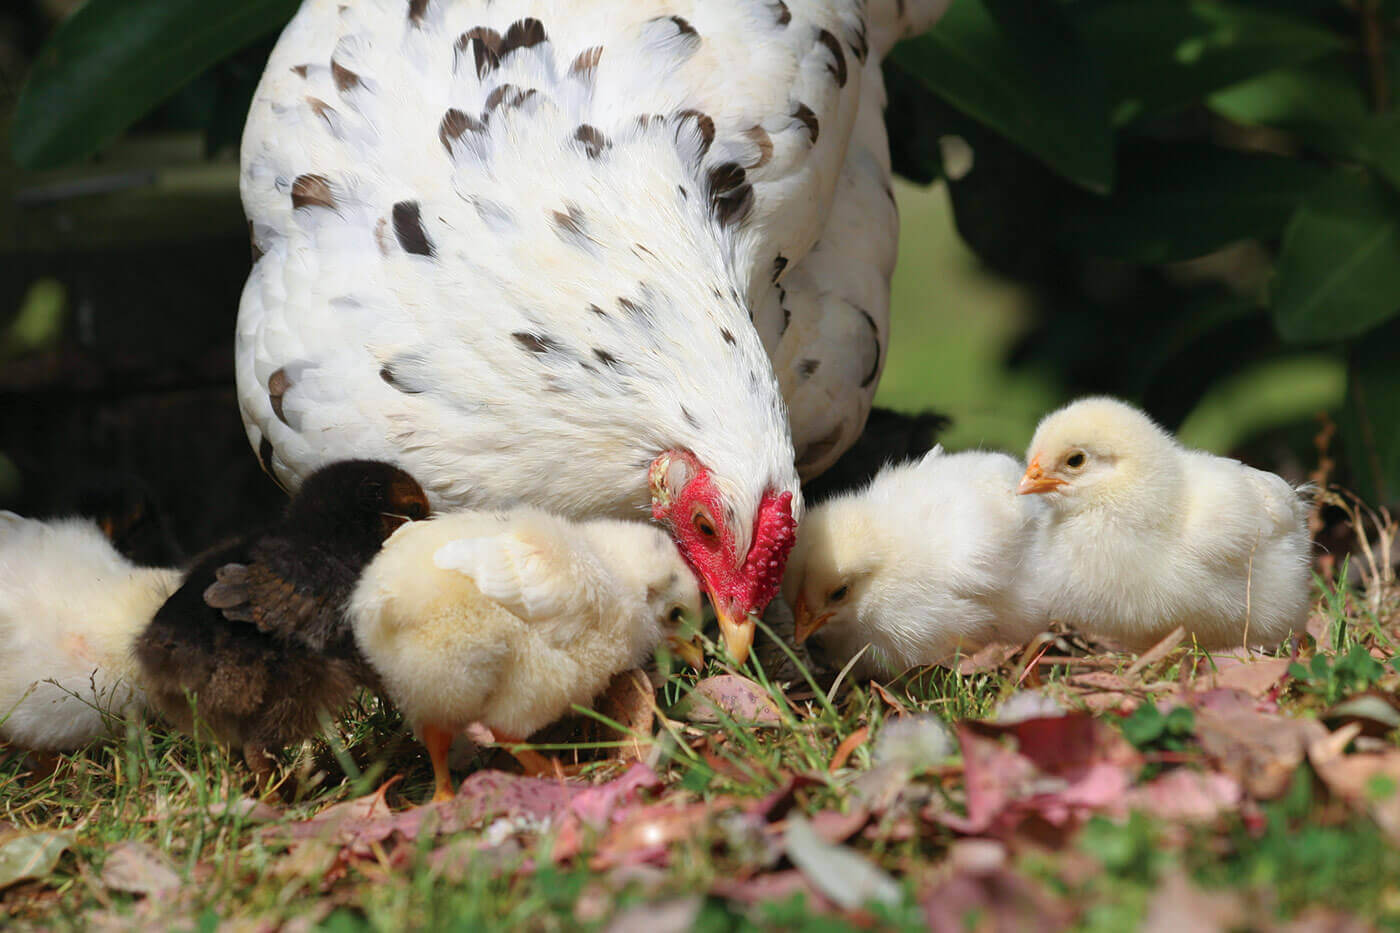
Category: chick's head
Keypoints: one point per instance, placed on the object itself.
(1097, 453)
(646, 563)
(835, 569)
(364, 498)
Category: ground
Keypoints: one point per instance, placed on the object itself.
(1045, 786)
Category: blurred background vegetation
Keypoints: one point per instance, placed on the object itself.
(1186, 202)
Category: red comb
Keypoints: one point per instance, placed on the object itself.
(775, 532)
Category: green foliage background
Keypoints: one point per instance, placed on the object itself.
(1188, 190)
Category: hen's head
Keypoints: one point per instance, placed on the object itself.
(737, 549)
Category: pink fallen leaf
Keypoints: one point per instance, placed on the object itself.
(674, 916)
(1180, 904)
(1186, 796)
(1254, 676)
(771, 887)
(997, 897)
(1260, 750)
(833, 826)
(136, 868)
(642, 835)
(736, 697)
(247, 809)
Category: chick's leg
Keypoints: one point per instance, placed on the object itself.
(532, 761)
(438, 742)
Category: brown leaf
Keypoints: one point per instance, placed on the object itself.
(1255, 677)
(1375, 711)
(848, 745)
(988, 658)
(1260, 750)
(674, 916)
(771, 887)
(630, 702)
(737, 697)
(137, 868)
(1368, 782)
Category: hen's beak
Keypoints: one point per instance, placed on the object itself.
(803, 623)
(1035, 480)
(737, 627)
(688, 650)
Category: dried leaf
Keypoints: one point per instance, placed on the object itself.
(1181, 905)
(674, 916)
(1375, 711)
(847, 878)
(30, 855)
(988, 658)
(982, 894)
(137, 868)
(1255, 677)
(251, 811)
(630, 701)
(771, 887)
(1260, 750)
(1027, 704)
(1368, 782)
(737, 697)
(1186, 796)
(914, 743)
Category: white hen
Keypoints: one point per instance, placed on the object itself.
(541, 251)
(506, 619)
(70, 609)
(1145, 535)
(923, 563)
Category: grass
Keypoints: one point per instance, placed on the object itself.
(185, 800)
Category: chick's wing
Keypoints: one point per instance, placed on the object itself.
(511, 570)
(257, 594)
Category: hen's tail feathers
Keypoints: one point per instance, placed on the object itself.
(892, 20)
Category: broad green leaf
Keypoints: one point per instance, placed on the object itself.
(112, 61)
(30, 855)
(1160, 55)
(1370, 422)
(1018, 67)
(1325, 105)
(1338, 271)
(1180, 201)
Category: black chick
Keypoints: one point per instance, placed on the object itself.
(256, 638)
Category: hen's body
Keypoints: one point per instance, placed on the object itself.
(524, 247)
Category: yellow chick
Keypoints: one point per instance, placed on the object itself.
(1144, 535)
(921, 564)
(507, 619)
(70, 609)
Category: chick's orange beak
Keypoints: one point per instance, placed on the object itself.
(1035, 481)
(803, 622)
(736, 625)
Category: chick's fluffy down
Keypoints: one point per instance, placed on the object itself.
(508, 619)
(930, 556)
(70, 609)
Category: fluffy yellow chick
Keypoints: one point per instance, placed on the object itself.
(507, 619)
(70, 609)
(1144, 535)
(923, 563)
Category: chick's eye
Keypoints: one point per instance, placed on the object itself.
(1075, 460)
(416, 511)
(676, 614)
(838, 594)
